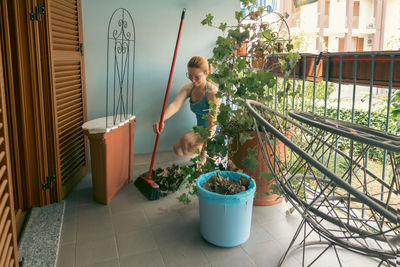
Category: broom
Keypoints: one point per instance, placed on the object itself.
(144, 183)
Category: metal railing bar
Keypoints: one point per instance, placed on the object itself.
(304, 83)
(371, 85)
(389, 98)
(276, 83)
(338, 109)
(326, 96)
(314, 83)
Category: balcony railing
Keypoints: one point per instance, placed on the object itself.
(360, 88)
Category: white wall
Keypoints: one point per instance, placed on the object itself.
(366, 13)
(156, 23)
(392, 20)
(309, 17)
(337, 15)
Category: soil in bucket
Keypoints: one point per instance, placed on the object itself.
(224, 186)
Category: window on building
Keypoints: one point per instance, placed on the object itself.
(357, 44)
(356, 14)
(327, 7)
(326, 41)
(341, 45)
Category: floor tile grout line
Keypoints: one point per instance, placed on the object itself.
(153, 234)
(76, 234)
(76, 243)
(247, 254)
(114, 233)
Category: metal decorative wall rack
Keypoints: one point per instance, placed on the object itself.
(120, 67)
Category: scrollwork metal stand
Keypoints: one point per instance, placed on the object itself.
(120, 67)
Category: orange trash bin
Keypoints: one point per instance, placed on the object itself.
(111, 152)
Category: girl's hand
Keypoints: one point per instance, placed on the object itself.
(156, 127)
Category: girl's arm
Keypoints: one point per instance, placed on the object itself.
(174, 106)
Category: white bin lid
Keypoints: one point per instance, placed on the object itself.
(99, 125)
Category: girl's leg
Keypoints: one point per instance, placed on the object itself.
(188, 144)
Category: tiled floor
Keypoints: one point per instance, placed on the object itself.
(133, 231)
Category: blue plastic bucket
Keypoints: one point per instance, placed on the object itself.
(225, 220)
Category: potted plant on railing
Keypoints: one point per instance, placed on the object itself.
(239, 79)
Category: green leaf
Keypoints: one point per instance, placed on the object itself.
(244, 36)
(289, 211)
(275, 189)
(241, 64)
(213, 106)
(293, 59)
(264, 76)
(224, 115)
(184, 198)
(282, 63)
(207, 20)
(238, 16)
(243, 137)
(250, 161)
(204, 133)
(222, 26)
(396, 112)
(267, 176)
(248, 3)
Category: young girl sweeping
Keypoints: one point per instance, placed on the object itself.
(200, 92)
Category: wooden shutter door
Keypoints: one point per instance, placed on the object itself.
(66, 65)
(8, 237)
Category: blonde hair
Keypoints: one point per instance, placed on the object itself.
(201, 63)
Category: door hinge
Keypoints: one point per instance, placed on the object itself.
(51, 178)
(38, 10)
(81, 48)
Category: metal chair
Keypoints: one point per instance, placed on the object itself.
(321, 167)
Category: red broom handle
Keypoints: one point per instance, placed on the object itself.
(161, 121)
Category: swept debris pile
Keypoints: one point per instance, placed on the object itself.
(169, 179)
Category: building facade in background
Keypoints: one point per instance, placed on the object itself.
(345, 25)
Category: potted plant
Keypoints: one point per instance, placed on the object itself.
(239, 79)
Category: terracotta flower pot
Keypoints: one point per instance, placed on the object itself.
(299, 70)
(262, 185)
(257, 59)
(256, 62)
(242, 51)
(381, 70)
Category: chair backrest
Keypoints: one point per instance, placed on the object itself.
(321, 166)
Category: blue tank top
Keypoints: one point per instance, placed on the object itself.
(200, 108)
